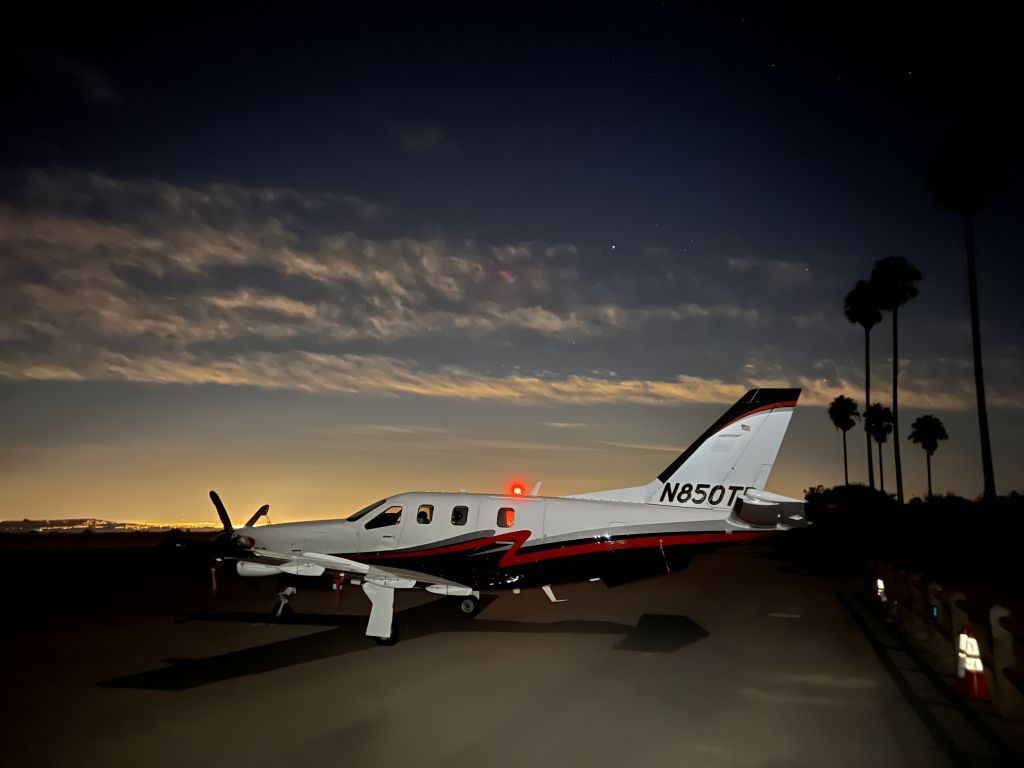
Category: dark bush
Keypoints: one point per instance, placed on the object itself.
(947, 538)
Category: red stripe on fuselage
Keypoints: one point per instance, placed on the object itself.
(514, 557)
(770, 406)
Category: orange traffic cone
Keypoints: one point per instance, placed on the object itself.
(970, 672)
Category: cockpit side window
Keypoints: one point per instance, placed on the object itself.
(365, 511)
(425, 514)
(390, 516)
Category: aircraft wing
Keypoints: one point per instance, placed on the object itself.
(316, 563)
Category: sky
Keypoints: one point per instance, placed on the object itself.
(312, 260)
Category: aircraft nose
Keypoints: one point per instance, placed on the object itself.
(244, 538)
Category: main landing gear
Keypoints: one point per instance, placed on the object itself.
(469, 606)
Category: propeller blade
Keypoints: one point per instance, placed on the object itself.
(259, 513)
(221, 512)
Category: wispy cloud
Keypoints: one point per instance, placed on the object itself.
(380, 376)
(125, 259)
(92, 84)
(144, 281)
(642, 446)
(527, 446)
(395, 429)
(423, 138)
(779, 266)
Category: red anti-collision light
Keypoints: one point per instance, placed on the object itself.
(516, 488)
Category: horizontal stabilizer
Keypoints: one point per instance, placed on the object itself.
(763, 509)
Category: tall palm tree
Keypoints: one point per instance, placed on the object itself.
(927, 431)
(878, 422)
(861, 309)
(843, 412)
(893, 280)
(961, 178)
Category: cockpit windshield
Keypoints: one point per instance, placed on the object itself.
(364, 511)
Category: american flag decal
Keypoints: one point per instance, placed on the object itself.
(745, 427)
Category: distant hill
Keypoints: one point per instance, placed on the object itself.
(97, 526)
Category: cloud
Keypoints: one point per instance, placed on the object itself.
(145, 281)
(423, 139)
(754, 263)
(642, 446)
(381, 376)
(92, 85)
(526, 446)
(392, 429)
(97, 256)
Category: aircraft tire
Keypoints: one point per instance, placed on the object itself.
(469, 606)
(392, 639)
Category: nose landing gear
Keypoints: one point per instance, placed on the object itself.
(283, 610)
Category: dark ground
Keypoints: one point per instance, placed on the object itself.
(737, 661)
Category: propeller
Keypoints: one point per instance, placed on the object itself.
(261, 512)
(222, 513)
(227, 544)
(229, 536)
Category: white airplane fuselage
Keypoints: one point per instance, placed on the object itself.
(491, 542)
(711, 495)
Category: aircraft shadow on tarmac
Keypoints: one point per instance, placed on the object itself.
(653, 633)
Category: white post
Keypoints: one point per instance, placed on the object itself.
(958, 619)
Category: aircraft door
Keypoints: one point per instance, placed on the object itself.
(516, 515)
(616, 531)
(383, 530)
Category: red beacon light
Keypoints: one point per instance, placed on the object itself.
(516, 489)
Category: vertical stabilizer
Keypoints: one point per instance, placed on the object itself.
(734, 454)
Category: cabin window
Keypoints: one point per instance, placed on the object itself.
(390, 516)
(364, 511)
(506, 517)
(425, 514)
(460, 515)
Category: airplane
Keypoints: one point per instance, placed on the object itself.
(459, 544)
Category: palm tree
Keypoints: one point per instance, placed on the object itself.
(843, 412)
(893, 281)
(961, 179)
(861, 310)
(927, 431)
(878, 422)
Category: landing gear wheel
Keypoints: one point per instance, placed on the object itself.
(281, 613)
(469, 606)
(391, 640)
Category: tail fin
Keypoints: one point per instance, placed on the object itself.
(734, 454)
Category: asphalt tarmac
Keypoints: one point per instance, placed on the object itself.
(732, 662)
